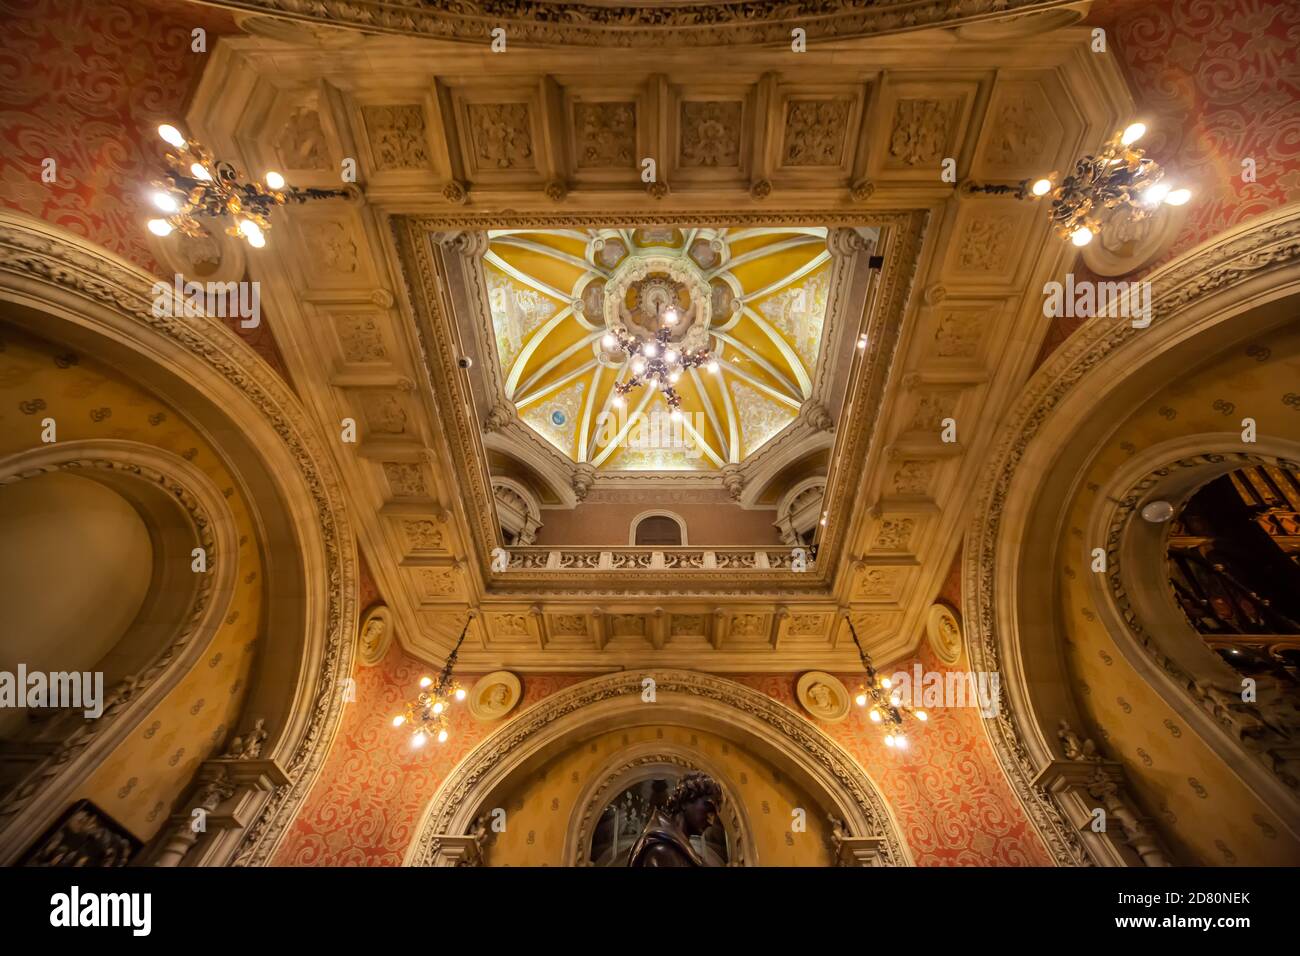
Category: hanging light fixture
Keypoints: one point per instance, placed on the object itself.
(197, 186)
(878, 693)
(657, 363)
(426, 715)
(1118, 177)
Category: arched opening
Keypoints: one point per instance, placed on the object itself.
(263, 435)
(76, 561)
(658, 530)
(1234, 563)
(599, 738)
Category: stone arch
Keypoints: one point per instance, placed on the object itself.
(1229, 289)
(63, 287)
(1142, 616)
(769, 730)
(182, 510)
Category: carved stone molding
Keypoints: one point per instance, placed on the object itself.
(102, 295)
(729, 23)
(757, 722)
(1017, 733)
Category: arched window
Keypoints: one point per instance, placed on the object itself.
(658, 529)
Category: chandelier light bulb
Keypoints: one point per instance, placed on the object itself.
(618, 401)
(198, 172)
(253, 233)
(399, 720)
(651, 350)
(886, 683)
(861, 700)
(1133, 133)
(426, 681)
(171, 135)
(638, 366)
(608, 340)
(160, 227)
(1155, 193)
(1178, 196)
(670, 356)
(672, 379)
(1081, 236)
(676, 415)
(671, 316)
(900, 742)
(1042, 187)
(922, 716)
(419, 739)
(164, 201)
(442, 736)
(460, 693)
(712, 366)
(890, 741)
(274, 180)
(439, 707)
(874, 715)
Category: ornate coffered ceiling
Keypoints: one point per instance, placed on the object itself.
(756, 299)
(376, 305)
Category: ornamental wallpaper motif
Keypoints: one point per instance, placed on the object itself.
(86, 83)
(1216, 83)
(947, 792)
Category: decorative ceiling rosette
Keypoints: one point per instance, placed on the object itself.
(730, 322)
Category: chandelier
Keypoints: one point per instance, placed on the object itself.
(887, 708)
(1120, 176)
(197, 186)
(657, 363)
(427, 713)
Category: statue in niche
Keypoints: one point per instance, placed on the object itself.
(674, 835)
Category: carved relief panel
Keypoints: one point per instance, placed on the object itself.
(918, 122)
(817, 132)
(501, 133)
(712, 133)
(1030, 129)
(607, 133)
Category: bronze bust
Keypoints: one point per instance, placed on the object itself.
(665, 841)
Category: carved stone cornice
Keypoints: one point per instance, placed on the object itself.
(727, 23)
(1215, 266)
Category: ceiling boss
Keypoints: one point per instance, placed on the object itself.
(658, 311)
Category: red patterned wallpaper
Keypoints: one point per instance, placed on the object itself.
(947, 791)
(86, 83)
(366, 806)
(1220, 83)
(1217, 82)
